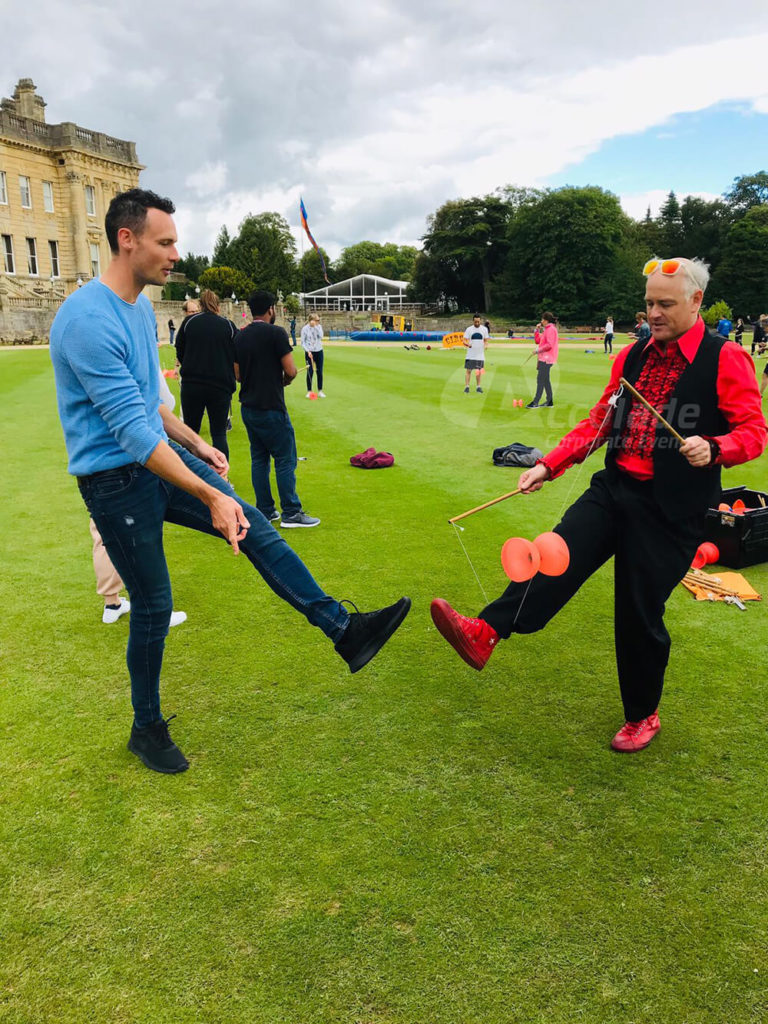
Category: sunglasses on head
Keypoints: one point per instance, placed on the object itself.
(668, 267)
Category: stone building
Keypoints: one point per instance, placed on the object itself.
(56, 181)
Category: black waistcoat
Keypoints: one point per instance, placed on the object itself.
(680, 489)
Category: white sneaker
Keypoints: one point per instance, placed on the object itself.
(321, 394)
(308, 394)
(177, 618)
(113, 614)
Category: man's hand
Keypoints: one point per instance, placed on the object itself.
(216, 460)
(227, 517)
(533, 479)
(697, 451)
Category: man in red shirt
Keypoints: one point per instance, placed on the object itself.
(647, 506)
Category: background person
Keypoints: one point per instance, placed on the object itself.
(738, 332)
(759, 336)
(642, 331)
(475, 342)
(264, 366)
(205, 349)
(312, 343)
(647, 507)
(108, 582)
(546, 339)
(608, 336)
(171, 330)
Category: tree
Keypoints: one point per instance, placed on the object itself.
(747, 191)
(574, 251)
(742, 277)
(716, 312)
(292, 305)
(671, 226)
(192, 266)
(310, 274)
(466, 243)
(225, 281)
(222, 256)
(385, 260)
(705, 226)
(265, 251)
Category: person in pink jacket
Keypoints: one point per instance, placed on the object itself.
(546, 339)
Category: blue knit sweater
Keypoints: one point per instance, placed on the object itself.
(104, 353)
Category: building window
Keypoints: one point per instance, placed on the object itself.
(26, 192)
(53, 249)
(48, 196)
(32, 257)
(8, 261)
(3, 189)
(90, 200)
(95, 261)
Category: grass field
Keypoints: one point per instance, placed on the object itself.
(415, 844)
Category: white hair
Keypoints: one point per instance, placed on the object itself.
(695, 272)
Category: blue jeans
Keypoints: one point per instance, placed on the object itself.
(129, 506)
(271, 435)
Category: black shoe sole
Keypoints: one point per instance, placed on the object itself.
(375, 644)
(154, 767)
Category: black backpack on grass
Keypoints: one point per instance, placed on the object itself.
(516, 455)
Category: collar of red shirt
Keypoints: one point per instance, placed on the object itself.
(688, 343)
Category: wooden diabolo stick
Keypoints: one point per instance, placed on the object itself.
(486, 505)
(649, 407)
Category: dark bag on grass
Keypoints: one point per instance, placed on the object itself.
(371, 459)
(516, 455)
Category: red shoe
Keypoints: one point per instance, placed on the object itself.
(635, 735)
(472, 639)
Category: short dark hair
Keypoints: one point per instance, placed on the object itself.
(260, 302)
(476, 316)
(129, 210)
(549, 317)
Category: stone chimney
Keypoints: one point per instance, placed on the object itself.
(26, 102)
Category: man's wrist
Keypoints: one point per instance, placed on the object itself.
(714, 450)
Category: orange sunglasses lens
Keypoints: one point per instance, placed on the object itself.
(670, 267)
(649, 267)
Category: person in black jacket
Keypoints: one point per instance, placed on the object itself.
(205, 349)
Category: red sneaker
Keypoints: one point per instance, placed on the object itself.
(635, 735)
(472, 639)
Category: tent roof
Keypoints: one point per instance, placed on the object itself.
(343, 287)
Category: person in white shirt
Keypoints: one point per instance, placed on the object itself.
(608, 339)
(312, 343)
(476, 342)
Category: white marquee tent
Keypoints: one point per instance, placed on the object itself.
(365, 291)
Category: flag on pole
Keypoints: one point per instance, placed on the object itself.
(305, 225)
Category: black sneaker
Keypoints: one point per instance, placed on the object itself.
(466, 390)
(367, 633)
(479, 391)
(273, 518)
(533, 405)
(153, 745)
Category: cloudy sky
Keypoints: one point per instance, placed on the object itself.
(378, 112)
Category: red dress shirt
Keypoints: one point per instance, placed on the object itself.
(738, 400)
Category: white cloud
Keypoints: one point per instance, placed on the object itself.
(377, 115)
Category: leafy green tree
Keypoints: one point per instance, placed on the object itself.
(466, 243)
(384, 260)
(716, 312)
(192, 266)
(310, 274)
(226, 280)
(747, 191)
(742, 277)
(265, 251)
(292, 305)
(575, 251)
(705, 226)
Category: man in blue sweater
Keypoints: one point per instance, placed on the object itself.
(138, 466)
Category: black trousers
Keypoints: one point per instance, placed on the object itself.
(318, 357)
(543, 371)
(197, 399)
(616, 516)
